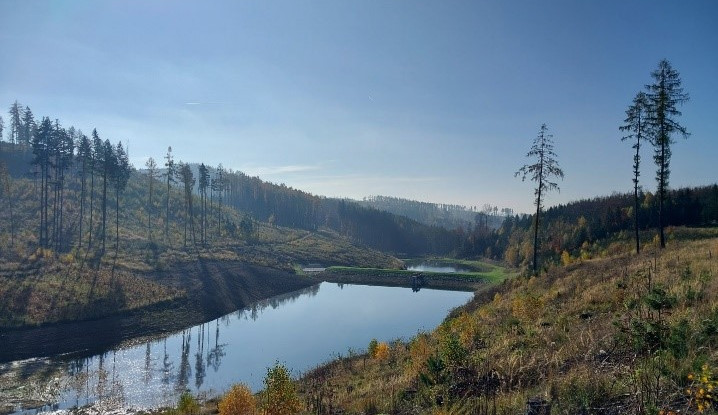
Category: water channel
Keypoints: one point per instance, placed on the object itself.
(301, 330)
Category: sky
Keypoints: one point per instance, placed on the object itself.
(435, 101)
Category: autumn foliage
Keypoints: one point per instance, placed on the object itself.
(238, 401)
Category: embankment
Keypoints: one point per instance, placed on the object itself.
(403, 278)
(213, 288)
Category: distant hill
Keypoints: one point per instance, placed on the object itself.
(447, 216)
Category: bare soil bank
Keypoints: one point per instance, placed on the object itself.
(213, 288)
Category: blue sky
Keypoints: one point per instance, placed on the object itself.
(436, 101)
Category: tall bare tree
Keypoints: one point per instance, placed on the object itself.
(542, 171)
(636, 128)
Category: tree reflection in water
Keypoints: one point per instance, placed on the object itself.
(199, 368)
(147, 375)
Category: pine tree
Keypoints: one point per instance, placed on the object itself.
(96, 165)
(108, 162)
(84, 153)
(15, 122)
(170, 172)
(41, 149)
(28, 127)
(62, 148)
(635, 125)
(219, 183)
(188, 180)
(542, 171)
(203, 185)
(2, 126)
(151, 176)
(663, 97)
(120, 177)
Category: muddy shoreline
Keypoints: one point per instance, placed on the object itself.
(213, 288)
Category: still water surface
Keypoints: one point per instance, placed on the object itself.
(436, 268)
(301, 330)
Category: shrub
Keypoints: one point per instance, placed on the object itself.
(238, 401)
(419, 351)
(373, 344)
(188, 404)
(382, 351)
(280, 395)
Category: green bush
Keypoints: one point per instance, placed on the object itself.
(188, 404)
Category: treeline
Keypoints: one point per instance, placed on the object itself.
(284, 206)
(581, 228)
(59, 189)
(448, 216)
(77, 178)
(60, 157)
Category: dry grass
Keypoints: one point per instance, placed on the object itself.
(49, 290)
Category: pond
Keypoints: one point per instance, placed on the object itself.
(436, 268)
(301, 330)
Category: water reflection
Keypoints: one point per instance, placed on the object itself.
(301, 329)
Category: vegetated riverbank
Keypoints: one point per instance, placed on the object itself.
(209, 289)
(622, 333)
(75, 303)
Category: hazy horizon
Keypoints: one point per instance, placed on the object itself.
(435, 102)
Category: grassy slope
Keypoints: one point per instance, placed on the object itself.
(45, 290)
(41, 286)
(586, 338)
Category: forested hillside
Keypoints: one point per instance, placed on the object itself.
(285, 206)
(592, 227)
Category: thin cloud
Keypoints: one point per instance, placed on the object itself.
(356, 186)
(204, 103)
(275, 170)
